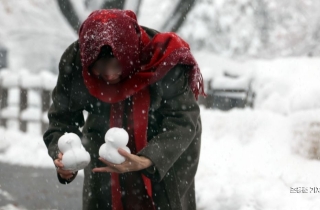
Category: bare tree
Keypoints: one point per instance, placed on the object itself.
(172, 23)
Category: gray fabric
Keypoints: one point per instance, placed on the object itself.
(174, 134)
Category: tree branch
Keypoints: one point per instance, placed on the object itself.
(174, 22)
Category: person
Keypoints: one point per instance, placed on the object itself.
(129, 76)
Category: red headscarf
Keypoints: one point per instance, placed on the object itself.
(144, 61)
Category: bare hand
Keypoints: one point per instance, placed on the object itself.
(132, 163)
(65, 174)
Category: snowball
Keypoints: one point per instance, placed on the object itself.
(115, 138)
(69, 141)
(75, 157)
(118, 136)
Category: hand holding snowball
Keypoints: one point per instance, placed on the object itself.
(131, 163)
(75, 157)
(65, 174)
(115, 138)
(116, 155)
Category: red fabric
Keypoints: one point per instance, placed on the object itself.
(140, 112)
(130, 180)
(116, 110)
(144, 61)
(136, 123)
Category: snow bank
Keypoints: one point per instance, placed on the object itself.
(290, 84)
(24, 149)
(246, 163)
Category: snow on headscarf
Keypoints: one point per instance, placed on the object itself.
(145, 61)
(116, 28)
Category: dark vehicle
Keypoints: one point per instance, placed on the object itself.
(229, 91)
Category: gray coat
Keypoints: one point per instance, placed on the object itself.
(174, 134)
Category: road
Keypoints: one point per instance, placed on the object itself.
(37, 188)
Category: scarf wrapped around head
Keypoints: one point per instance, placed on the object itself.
(144, 61)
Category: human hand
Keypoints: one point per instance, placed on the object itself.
(65, 174)
(132, 163)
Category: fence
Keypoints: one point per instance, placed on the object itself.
(25, 97)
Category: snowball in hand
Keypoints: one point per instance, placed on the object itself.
(115, 138)
(75, 157)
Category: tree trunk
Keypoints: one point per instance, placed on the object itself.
(113, 4)
(262, 21)
(69, 13)
(174, 21)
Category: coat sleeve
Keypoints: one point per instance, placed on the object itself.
(180, 114)
(62, 118)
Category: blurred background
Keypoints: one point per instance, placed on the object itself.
(261, 117)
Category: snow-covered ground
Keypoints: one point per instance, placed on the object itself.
(251, 159)
(247, 163)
